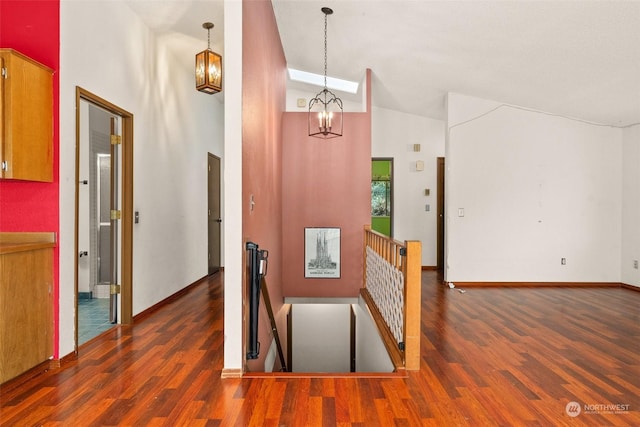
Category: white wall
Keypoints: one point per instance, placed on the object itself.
(393, 135)
(371, 354)
(320, 337)
(631, 205)
(107, 50)
(232, 164)
(350, 102)
(534, 188)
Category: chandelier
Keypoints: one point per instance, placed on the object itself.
(208, 67)
(325, 110)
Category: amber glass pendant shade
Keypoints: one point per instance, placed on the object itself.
(208, 72)
(208, 67)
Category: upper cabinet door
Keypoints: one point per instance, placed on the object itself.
(26, 125)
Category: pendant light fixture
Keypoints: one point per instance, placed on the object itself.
(208, 67)
(325, 110)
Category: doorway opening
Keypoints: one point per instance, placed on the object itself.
(382, 195)
(103, 226)
(214, 215)
(441, 217)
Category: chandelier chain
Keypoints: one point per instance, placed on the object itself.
(325, 109)
(209, 38)
(325, 51)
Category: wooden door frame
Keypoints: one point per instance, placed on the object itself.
(126, 296)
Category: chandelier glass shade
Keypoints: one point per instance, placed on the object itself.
(208, 67)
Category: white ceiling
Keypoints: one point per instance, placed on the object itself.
(574, 58)
(179, 22)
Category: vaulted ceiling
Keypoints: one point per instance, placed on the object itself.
(574, 58)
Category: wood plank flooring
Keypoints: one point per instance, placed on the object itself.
(490, 357)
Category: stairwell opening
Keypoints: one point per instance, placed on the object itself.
(377, 333)
(332, 335)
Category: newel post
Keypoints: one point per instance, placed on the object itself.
(412, 298)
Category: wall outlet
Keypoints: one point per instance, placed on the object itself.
(635, 264)
(563, 261)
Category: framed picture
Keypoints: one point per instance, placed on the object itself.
(322, 253)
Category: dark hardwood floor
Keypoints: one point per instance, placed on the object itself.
(490, 356)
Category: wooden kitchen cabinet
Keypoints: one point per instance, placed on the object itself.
(26, 118)
(26, 303)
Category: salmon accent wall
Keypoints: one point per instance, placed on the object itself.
(33, 28)
(263, 102)
(326, 183)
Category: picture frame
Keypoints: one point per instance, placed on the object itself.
(322, 253)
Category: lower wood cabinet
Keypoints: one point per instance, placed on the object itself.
(26, 303)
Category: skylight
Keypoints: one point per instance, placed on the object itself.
(318, 80)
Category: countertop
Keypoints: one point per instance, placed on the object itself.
(25, 241)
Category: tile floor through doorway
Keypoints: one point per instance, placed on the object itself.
(93, 318)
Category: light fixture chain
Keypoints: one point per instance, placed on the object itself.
(325, 51)
(325, 110)
(209, 38)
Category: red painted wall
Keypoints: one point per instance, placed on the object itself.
(33, 28)
(326, 183)
(263, 102)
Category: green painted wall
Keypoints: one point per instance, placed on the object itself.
(381, 170)
(381, 224)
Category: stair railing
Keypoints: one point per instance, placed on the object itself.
(392, 289)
